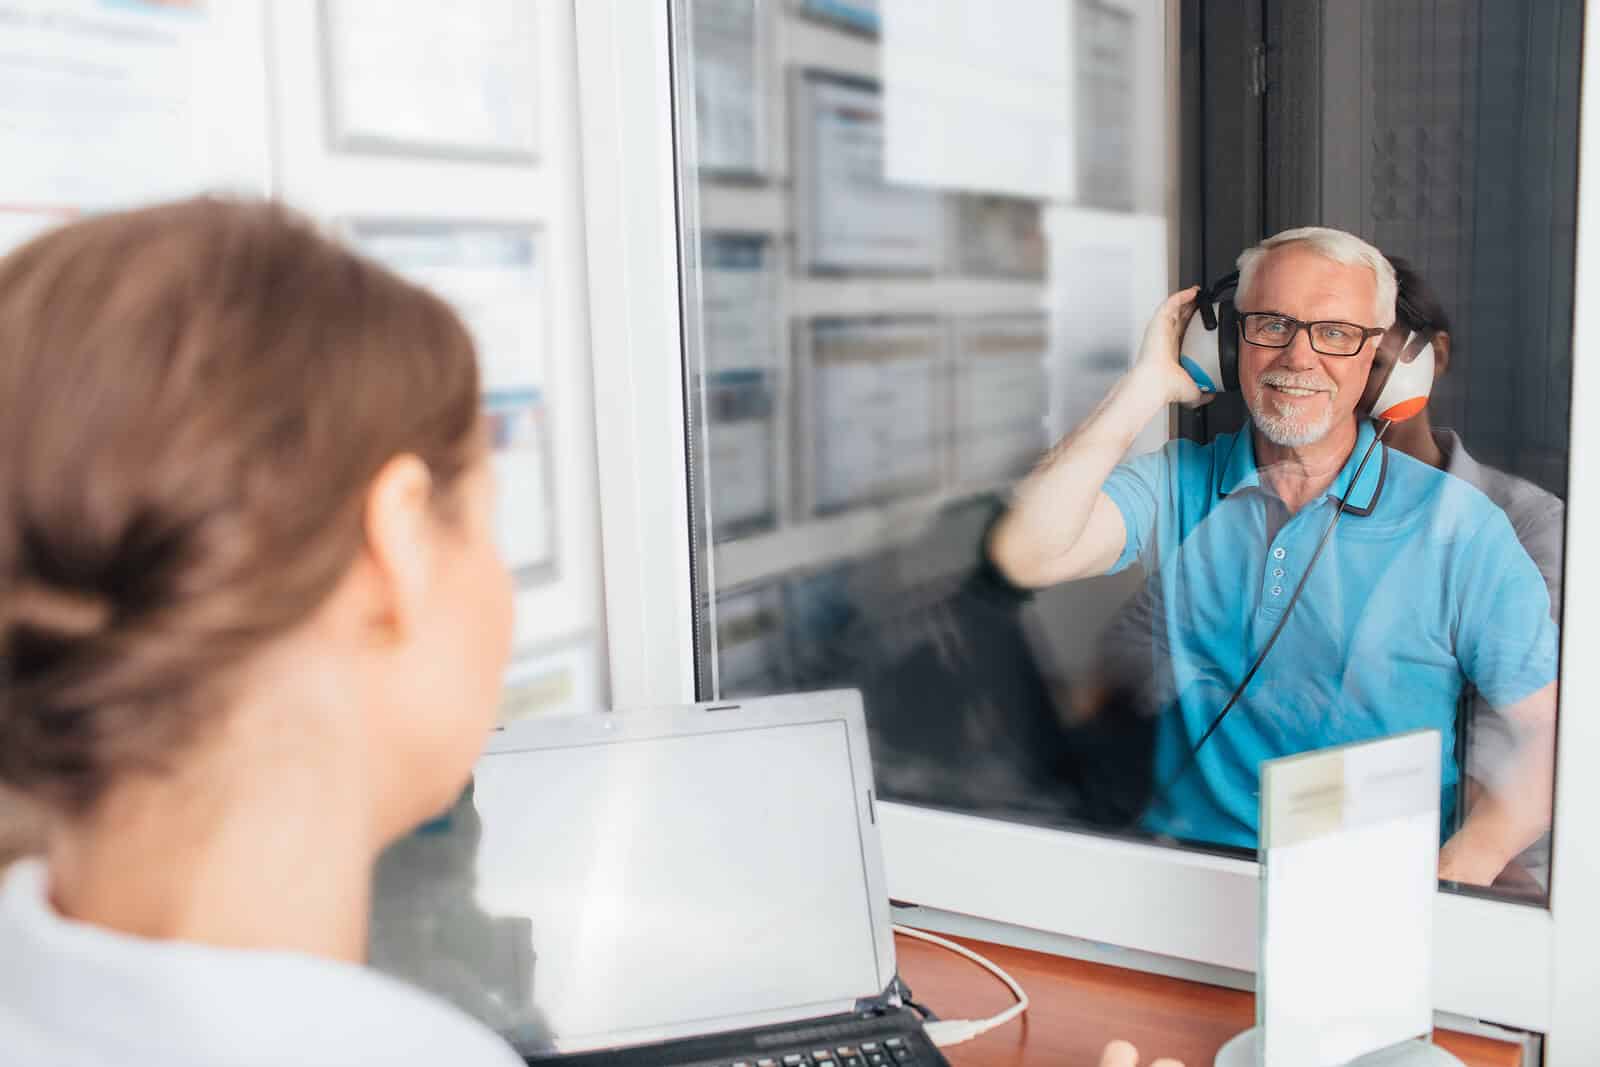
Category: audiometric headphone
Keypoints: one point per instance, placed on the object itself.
(1402, 366)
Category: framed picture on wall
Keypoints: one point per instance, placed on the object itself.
(862, 16)
(729, 88)
(556, 679)
(493, 275)
(872, 413)
(999, 397)
(107, 106)
(848, 217)
(455, 80)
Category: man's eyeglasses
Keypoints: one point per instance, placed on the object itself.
(1328, 337)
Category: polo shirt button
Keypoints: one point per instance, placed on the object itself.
(1277, 572)
(1278, 553)
(1277, 590)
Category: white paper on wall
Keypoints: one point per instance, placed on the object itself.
(1000, 394)
(877, 427)
(560, 680)
(740, 465)
(113, 103)
(523, 494)
(1108, 274)
(999, 237)
(452, 79)
(1107, 74)
(854, 218)
(727, 85)
(492, 274)
(739, 302)
(751, 656)
(980, 101)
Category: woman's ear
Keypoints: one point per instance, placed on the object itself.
(1441, 354)
(399, 526)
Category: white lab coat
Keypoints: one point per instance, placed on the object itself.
(77, 995)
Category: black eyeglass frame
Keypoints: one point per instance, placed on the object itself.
(1367, 332)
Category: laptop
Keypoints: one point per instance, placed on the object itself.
(695, 885)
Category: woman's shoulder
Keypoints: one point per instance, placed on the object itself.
(74, 993)
(372, 1017)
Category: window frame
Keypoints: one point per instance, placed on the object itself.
(1506, 963)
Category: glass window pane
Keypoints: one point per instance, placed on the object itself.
(929, 238)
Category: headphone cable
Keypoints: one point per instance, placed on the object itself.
(1272, 639)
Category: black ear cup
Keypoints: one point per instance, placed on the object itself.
(1227, 327)
(1228, 344)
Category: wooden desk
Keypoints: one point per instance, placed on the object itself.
(1077, 1007)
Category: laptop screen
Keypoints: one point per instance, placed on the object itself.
(623, 890)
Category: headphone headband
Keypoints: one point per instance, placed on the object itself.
(1228, 282)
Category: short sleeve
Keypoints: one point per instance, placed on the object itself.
(1540, 525)
(1539, 521)
(1505, 640)
(1135, 486)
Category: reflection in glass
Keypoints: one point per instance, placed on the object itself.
(739, 287)
(1106, 95)
(1490, 742)
(848, 215)
(931, 277)
(873, 414)
(427, 927)
(999, 393)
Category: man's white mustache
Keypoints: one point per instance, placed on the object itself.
(1282, 379)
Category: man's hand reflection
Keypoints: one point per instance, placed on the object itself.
(1122, 1054)
(1505, 819)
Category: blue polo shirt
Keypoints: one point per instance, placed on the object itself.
(1422, 588)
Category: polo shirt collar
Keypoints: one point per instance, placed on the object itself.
(1239, 471)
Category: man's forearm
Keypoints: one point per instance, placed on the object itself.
(1051, 506)
(1495, 833)
(1509, 818)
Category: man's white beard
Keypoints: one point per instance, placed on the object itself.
(1284, 430)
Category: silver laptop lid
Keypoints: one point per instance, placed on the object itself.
(656, 874)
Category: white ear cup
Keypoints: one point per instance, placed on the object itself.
(1405, 393)
(1200, 356)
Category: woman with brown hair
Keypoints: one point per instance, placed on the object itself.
(252, 628)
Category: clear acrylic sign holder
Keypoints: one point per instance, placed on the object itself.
(1349, 861)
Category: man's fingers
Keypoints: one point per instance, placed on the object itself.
(1122, 1054)
(1181, 306)
(1172, 307)
(1119, 1054)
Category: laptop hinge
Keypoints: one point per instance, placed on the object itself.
(885, 1002)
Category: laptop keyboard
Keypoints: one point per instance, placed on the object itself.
(887, 1052)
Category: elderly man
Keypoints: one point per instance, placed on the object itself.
(1421, 589)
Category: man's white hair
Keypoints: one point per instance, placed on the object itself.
(1337, 245)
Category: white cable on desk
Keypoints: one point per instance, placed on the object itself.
(946, 1032)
